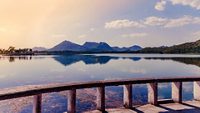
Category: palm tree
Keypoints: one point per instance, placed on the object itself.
(11, 49)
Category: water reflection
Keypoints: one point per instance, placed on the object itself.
(189, 61)
(67, 60)
(32, 70)
(93, 59)
(87, 59)
(13, 58)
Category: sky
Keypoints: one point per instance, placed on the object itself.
(45, 23)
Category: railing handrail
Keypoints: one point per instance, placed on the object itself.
(40, 89)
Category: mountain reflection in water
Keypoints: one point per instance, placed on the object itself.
(89, 59)
(93, 59)
(67, 60)
(189, 61)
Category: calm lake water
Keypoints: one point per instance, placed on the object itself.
(19, 71)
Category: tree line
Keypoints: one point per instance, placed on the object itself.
(13, 51)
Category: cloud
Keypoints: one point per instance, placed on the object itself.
(154, 21)
(170, 23)
(160, 6)
(185, 20)
(134, 35)
(117, 24)
(192, 3)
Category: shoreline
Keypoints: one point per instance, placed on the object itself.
(74, 53)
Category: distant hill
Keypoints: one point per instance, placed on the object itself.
(103, 47)
(67, 46)
(92, 47)
(135, 48)
(189, 47)
(120, 49)
(98, 47)
(39, 49)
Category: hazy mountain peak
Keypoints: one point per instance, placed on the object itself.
(103, 43)
(67, 46)
(39, 49)
(135, 48)
(104, 47)
(94, 46)
(90, 43)
(91, 47)
(66, 42)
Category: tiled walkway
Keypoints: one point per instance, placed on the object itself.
(185, 107)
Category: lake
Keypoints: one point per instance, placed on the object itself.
(34, 70)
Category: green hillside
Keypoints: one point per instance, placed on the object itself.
(190, 47)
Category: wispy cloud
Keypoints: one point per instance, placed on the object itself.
(160, 6)
(154, 21)
(185, 20)
(117, 24)
(169, 23)
(192, 3)
(134, 35)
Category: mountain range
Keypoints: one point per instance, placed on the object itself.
(189, 47)
(92, 47)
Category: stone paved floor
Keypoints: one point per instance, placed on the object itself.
(185, 107)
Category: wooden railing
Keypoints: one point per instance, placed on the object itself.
(152, 84)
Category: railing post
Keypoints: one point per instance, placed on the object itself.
(177, 92)
(196, 90)
(71, 101)
(153, 93)
(101, 98)
(37, 100)
(128, 96)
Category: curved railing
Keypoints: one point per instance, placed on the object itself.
(152, 83)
